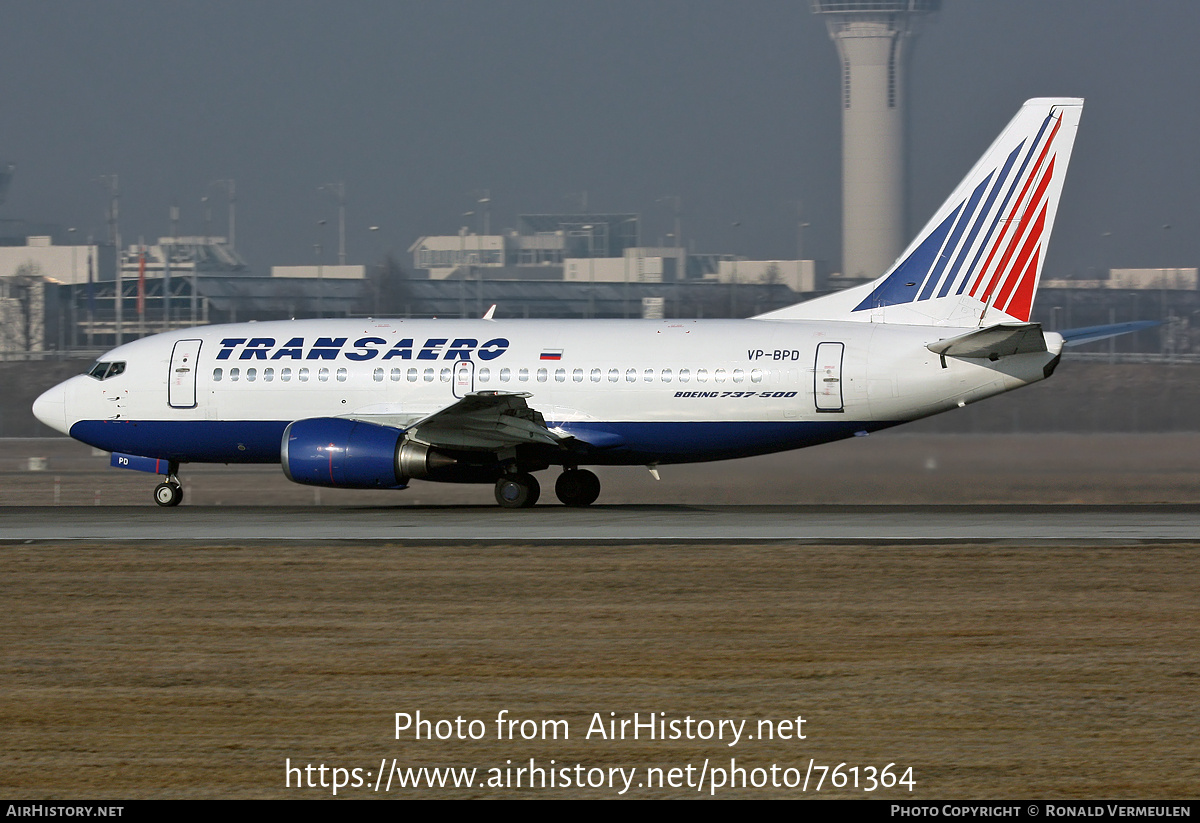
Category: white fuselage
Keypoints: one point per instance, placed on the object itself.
(639, 391)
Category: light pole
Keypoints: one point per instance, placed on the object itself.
(483, 201)
(114, 229)
(733, 283)
(231, 191)
(320, 270)
(637, 242)
(378, 284)
(74, 280)
(591, 270)
(676, 201)
(338, 190)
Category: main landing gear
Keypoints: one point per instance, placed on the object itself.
(517, 491)
(574, 487)
(169, 493)
(577, 487)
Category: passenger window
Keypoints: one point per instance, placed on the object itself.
(268, 375)
(719, 376)
(683, 375)
(648, 375)
(285, 375)
(445, 375)
(505, 374)
(341, 375)
(412, 375)
(323, 374)
(701, 375)
(738, 375)
(542, 374)
(614, 375)
(560, 375)
(523, 375)
(631, 376)
(666, 375)
(485, 375)
(251, 374)
(595, 375)
(429, 375)
(378, 375)
(216, 375)
(302, 375)
(233, 375)
(756, 375)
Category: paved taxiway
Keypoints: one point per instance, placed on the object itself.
(629, 523)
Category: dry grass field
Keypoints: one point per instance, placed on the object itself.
(161, 670)
(994, 672)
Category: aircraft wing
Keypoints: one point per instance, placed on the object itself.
(489, 421)
(484, 421)
(993, 342)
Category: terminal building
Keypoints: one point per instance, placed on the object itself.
(62, 294)
(596, 248)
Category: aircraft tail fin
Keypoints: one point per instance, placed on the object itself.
(978, 261)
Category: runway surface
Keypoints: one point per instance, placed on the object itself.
(627, 523)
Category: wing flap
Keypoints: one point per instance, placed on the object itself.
(484, 421)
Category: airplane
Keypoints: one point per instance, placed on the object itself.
(378, 403)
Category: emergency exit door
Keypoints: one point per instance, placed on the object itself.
(181, 385)
(827, 377)
(464, 378)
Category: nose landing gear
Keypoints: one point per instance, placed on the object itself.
(169, 493)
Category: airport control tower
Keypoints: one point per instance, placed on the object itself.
(872, 38)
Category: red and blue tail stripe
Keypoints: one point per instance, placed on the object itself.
(1010, 246)
(979, 258)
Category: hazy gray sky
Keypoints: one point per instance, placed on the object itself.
(733, 106)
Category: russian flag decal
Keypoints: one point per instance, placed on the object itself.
(552, 354)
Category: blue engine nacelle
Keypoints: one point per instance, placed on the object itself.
(349, 454)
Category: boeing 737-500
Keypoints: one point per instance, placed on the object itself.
(377, 403)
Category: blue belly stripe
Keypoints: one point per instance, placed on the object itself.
(187, 441)
(243, 441)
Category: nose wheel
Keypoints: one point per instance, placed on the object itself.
(168, 494)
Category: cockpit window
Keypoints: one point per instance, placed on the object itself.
(103, 370)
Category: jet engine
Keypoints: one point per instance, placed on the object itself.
(350, 454)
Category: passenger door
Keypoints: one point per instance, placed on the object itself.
(827, 377)
(181, 384)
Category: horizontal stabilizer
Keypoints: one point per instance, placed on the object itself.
(993, 342)
(1090, 334)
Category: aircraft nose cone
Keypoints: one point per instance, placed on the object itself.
(51, 408)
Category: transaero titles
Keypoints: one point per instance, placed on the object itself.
(364, 348)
